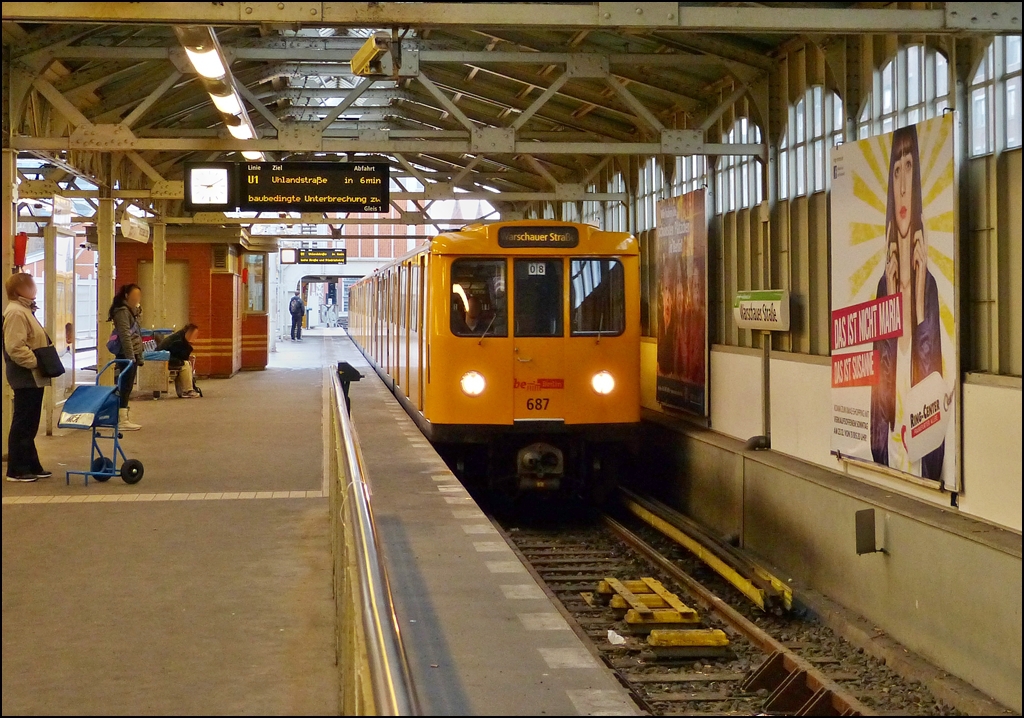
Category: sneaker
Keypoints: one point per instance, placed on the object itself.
(189, 395)
(24, 478)
(43, 474)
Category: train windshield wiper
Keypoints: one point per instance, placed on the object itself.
(487, 329)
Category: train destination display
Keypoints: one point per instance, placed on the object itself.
(516, 236)
(313, 187)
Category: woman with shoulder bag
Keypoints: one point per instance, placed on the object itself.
(24, 338)
(126, 343)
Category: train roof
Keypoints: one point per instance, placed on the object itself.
(534, 237)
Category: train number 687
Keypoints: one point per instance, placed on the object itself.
(536, 404)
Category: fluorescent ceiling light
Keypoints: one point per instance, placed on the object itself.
(241, 131)
(254, 156)
(207, 63)
(228, 104)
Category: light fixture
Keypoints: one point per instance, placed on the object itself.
(603, 382)
(240, 131)
(207, 62)
(473, 383)
(228, 104)
(208, 59)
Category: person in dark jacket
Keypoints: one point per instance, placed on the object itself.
(906, 360)
(124, 312)
(297, 308)
(22, 335)
(179, 346)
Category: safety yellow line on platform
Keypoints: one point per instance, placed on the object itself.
(119, 498)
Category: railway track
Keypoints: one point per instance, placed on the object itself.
(773, 663)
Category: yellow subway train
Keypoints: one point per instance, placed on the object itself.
(515, 346)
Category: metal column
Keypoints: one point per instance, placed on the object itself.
(159, 300)
(9, 192)
(105, 273)
(50, 308)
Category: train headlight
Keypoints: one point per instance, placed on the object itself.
(473, 383)
(603, 382)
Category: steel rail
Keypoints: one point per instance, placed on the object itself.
(389, 676)
(741, 624)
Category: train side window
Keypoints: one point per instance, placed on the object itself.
(479, 302)
(539, 305)
(597, 296)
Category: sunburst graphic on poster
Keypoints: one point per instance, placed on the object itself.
(894, 361)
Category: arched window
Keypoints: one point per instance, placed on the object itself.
(691, 174)
(651, 188)
(615, 211)
(815, 122)
(738, 177)
(913, 87)
(592, 210)
(995, 115)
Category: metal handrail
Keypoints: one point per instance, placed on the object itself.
(387, 669)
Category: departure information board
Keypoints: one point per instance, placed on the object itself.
(313, 256)
(313, 187)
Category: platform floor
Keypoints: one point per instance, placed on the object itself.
(482, 637)
(206, 588)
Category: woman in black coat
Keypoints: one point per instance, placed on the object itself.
(179, 345)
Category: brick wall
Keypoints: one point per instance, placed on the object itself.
(214, 304)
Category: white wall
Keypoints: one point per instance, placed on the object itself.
(992, 453)
(801, 409)
(736, 392)
(802, 420)
(287, 279)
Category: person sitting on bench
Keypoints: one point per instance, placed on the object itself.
(179, 345)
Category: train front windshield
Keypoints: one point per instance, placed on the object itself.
(538, 297)
(478, 300)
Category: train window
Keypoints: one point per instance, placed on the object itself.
(597, 296)
(539, 306)
(479, 303)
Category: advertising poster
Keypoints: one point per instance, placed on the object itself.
(682, 297)
(894, 361)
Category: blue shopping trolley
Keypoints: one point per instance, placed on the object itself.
(96, 407)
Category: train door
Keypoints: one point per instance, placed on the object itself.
(421, 328)
(539, 367)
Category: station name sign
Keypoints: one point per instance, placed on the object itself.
(552, 237)
(313, 187)
(313, 256)
(765, 309)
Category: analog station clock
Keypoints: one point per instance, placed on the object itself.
(210, 187)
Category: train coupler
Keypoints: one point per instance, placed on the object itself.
(540, 466)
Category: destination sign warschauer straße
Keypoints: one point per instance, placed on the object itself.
(313, 187)
(518, 236)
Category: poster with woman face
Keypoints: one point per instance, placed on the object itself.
(894, 361)
(682, 298)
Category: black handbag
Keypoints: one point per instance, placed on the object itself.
(48, 360)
